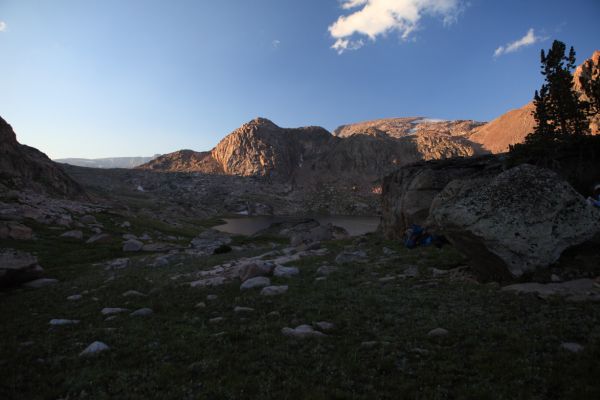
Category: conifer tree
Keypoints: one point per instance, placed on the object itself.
(559, 113)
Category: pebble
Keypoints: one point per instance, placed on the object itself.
(273, 314)
(387, 279)
(73, 235)
(320, 279)
(216, 320)
(212, 297)
(412, 271)
(285, 272)
(325, 326)
(257, 282)
(200, 305)
(302, 332)
(437, 332)
(110, 311)
(58, 322)
(94, 349)
(40, 283)
(274, 290)
(326, 270)
(243, 309)
(75, 297)
(572, 347)
(133, 293)
(142, 312)
(132, 245)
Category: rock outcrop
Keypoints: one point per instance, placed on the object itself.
(23, 167)
(185, 160)
(515, 223)
(407, 193)
(18, 267)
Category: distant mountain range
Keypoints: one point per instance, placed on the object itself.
(112, 162)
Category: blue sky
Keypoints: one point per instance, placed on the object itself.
(107, 78)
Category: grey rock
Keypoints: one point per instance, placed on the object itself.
(58, 322)
(132, 245)
(142, 312)
(326, 270)
(88, 220)
(239, 310)
(17, 267)
(73, 235)
(579, 287)
(254, 269)
(216, 281)
(255, 283)
(40, 283)
(325, 326)
(572, 347)
(273, 290)
(437, 332)
(129, 236)
(99, 238)
(216, 320)
(285, 272)
(111, 310)
(211, 297)
(94, 349)
(133, 293)
(515, 223)
(347, 257)
(75, 297)
(302, 332)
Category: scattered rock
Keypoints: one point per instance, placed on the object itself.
(88, 220)
(78, 235)
(216, 320)
(210, 240)
(238, 310)
(200, 305)
(211, 297)
(285, 272)
(129, 236)
(99, 238)
(582, 288)
(411, 271)
(58, 322)
(302, 332)
(347, 257)
(93, 349)
(118, 263)
(40, 283)
(75, 297)
(133, 293)
(254, 269)
(111, 311)
(325, 326)
(216, 281)
(273, 290)
(555, 278)
(255, 283)
(17, 267)
(142, 312)
(326, 270)
(132, 245)
(386, 279)
(572, 347)
(437, 332)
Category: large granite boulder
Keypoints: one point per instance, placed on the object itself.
(407, 194)
(17, 267)
(514, 223)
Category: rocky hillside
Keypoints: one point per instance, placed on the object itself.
(185, 160)
(23, 167)
(402, 127)
(260, 148)
(515, 125)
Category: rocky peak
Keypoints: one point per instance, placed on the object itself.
(7, 135)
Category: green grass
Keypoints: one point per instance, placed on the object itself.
(500, 346)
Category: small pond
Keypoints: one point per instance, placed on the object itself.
(250, 225)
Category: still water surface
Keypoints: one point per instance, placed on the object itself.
(250, 225)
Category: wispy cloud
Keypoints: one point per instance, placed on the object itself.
(2, 26)
(373, 18)
(276, 43)
(527, 40)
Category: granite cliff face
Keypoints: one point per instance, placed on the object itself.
(23, 167)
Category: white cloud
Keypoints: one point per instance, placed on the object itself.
(275, 43)
(378, 17)
(527, 40)
(2, 26)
